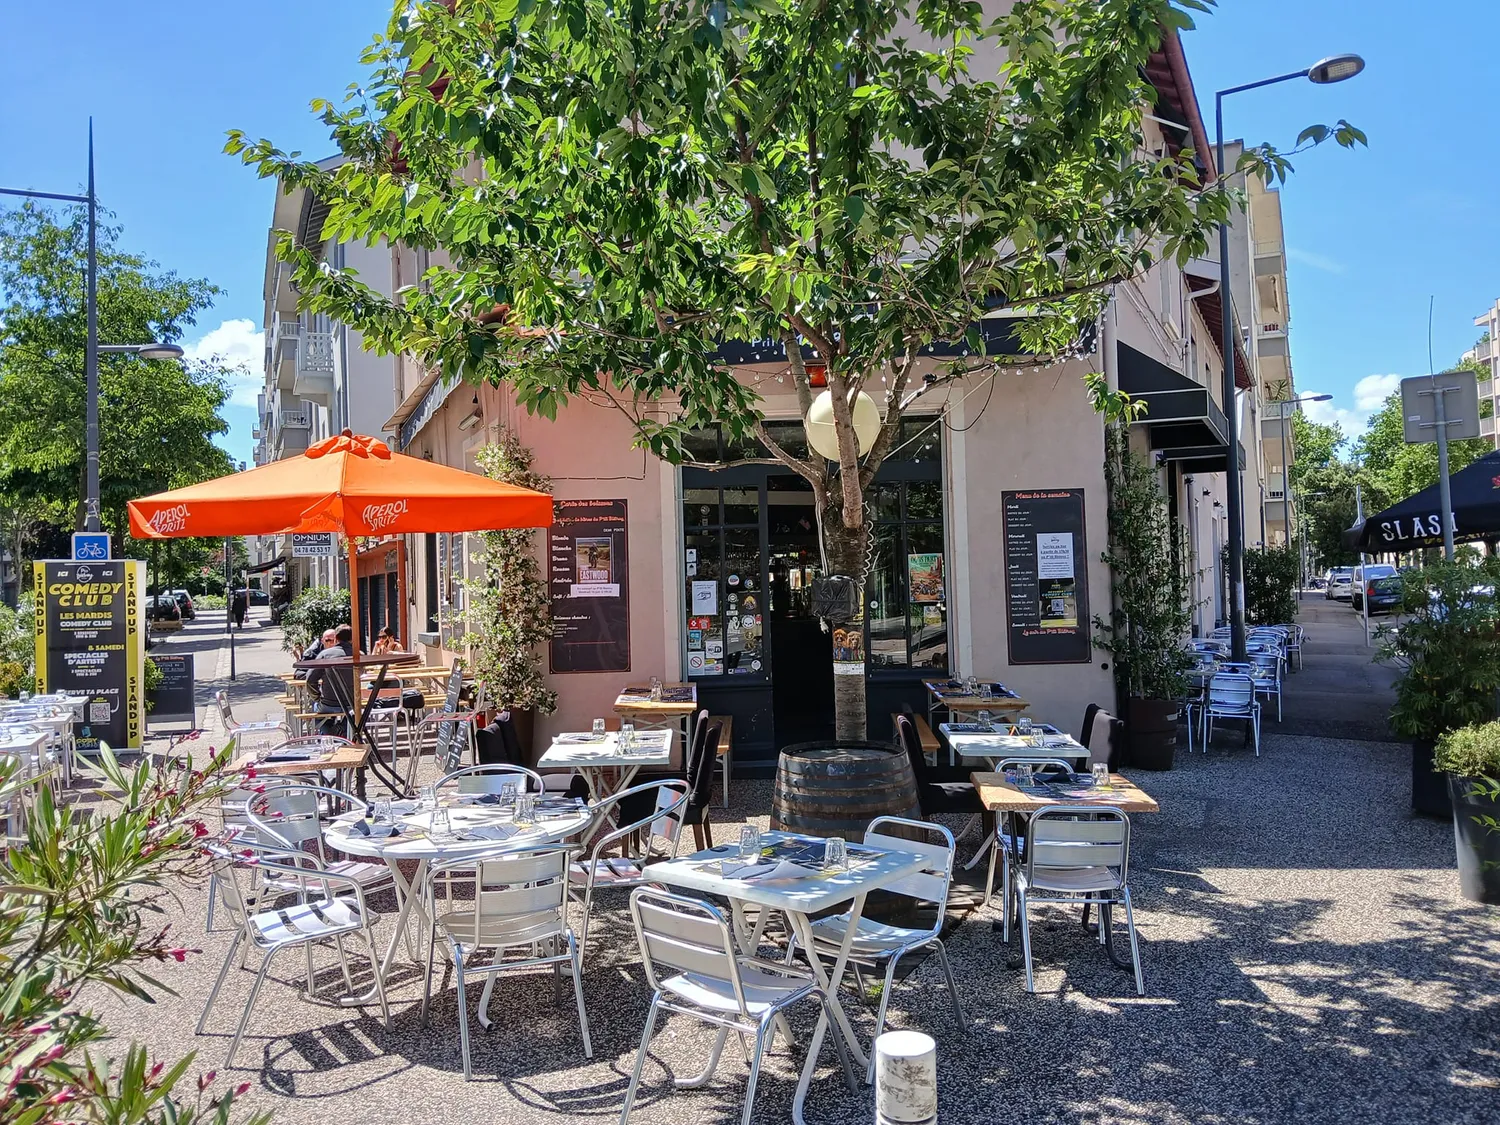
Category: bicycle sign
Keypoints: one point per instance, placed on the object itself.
(90, 546)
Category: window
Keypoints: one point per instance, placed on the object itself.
(724, 588)
(907, 596)
(430, 574)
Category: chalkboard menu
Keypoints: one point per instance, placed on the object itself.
(172, 699)
(1046, 577)
(91, 641)
(589, 582)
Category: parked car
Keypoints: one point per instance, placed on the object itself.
(164, 614)
(258, 597)
(1362, 579)
(1384, 594)
(1339, 579)
(185, 603)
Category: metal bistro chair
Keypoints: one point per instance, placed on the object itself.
(688, 951)
(452, 729)
(57, 719)
(662, 831)
(1294, 637)
(1072, 861)
(1269, 682)
(489, 780)
(291, 816)
(265, 731)
(1009, 840)
(520, 900)
(330, 906)
(1231, 695)
(878, 944)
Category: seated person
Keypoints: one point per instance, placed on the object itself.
(327, 640)
(386, 642)
(333, 688)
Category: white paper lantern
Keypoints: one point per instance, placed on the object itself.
(819, 424)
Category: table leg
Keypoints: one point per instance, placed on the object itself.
(850, 1051)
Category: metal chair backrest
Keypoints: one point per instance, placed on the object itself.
(450, 747)
(684, 935)
(1268, 660)
(498, 777)
(1057, 838)
(519, 897)
(1231, 690)
(221, 699)
(931, 883)
(292, 815)
(669, 800)
(1034, 763)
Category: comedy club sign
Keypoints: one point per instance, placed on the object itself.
(91, 642)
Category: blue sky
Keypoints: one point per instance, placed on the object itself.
(1370, 234)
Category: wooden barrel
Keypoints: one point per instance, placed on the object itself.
(836, 788)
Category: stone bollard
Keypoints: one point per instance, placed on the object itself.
(905, 1079)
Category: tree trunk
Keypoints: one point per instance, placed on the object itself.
(846, 549)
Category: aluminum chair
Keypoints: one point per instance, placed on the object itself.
(1072, 861)
(291, 816)
(234, 825)
(1268, 684)
(392, 718)
(1231, 695)
(330, 906)
(880, 944)
(520, 901)
(1008, 840)
(662, 829)
(243, 733)
(689, 954)
(494, 778)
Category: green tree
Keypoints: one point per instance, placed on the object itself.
(157, 420)
(1328, 508)
(620, 189)
(1315, 445)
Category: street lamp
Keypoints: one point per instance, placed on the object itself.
(1335, 68)
(92, 347)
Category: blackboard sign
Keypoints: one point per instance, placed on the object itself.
(1046, 577)
(589, 582)
(172, 701)
(91, 641)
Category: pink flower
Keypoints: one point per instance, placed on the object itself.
(199, 829)
(51, 1054)
(39, 1029)
(62, 1097)
(242, 1089)
(155, 1070)
(205, 1080)
(179, 954)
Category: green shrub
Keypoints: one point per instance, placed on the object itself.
(1472, 751)
(208, 601)
(18, 633)
(153, 681)
(310, 613)
(1271, 586)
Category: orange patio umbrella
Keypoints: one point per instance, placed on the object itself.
(350, 484)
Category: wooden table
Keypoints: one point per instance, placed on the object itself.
(343, 758)
(959, 701)
(998, 795)
(355, 715)
(635, 705)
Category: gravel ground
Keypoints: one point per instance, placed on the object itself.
(1307, 957)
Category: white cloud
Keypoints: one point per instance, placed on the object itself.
(1316, 261)
(240, 346)
(1370, 394)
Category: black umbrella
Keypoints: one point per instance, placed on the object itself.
(1417, 521)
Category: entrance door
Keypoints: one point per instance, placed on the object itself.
(801, 652)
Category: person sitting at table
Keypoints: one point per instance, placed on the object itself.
(327, 640)
(386, 642)
(333, 688)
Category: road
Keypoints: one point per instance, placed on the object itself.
(258, 657)
(1340, 692)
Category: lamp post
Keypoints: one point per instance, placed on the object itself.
(1336, 68)
(92, 347)
(1286, 485)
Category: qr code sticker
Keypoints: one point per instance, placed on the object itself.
(99, 712)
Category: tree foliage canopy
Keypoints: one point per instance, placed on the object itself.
(157, 420)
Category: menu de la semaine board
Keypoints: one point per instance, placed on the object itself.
(1046, 577)
(589, 582)
(91, 641)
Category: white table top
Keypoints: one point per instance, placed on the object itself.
(14, 742)
(652, 748)
(1012, 745)
(414, 843)
(701, 872)
(78, 703)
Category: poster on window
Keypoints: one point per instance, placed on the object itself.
(925, 578)
(1046, 562)
(589, 582)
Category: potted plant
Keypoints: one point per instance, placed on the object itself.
(1448, 650)
(1270, 586)
(1470, 756)
(1151, 614)
(507, 613)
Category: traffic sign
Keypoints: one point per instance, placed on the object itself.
(90, 546)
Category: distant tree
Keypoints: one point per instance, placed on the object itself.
(1316, 445)
(1328, 508)
(157, 420)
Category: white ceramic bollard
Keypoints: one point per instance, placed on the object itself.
(905, 1079)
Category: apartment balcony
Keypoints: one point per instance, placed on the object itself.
(1486, 388)
(1272, 339)
(284, 347)
(1270, 259)
(314, 376)
(1484, 349)
(1487, 427)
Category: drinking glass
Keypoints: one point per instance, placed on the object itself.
(442, 827)
(655, 689)
(835, 854)
(526, 808)
(382, 810)
(627, 736)
(983, 717)
(749, 843)
(1101, 775)
(986, 690)
(971, 685)
(429, 797)
(1023, 727)
(598, 728)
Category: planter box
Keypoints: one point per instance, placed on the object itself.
(1429, 788)
(1478, 844)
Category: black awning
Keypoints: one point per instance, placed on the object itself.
(265, 566)
(1417, 520)
(1183, 420)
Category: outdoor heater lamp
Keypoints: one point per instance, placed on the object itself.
(1334, 68)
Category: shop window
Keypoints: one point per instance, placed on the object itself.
(430, 582)
(906, 596)
(724, 587)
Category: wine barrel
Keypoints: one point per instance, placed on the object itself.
(836, 788)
